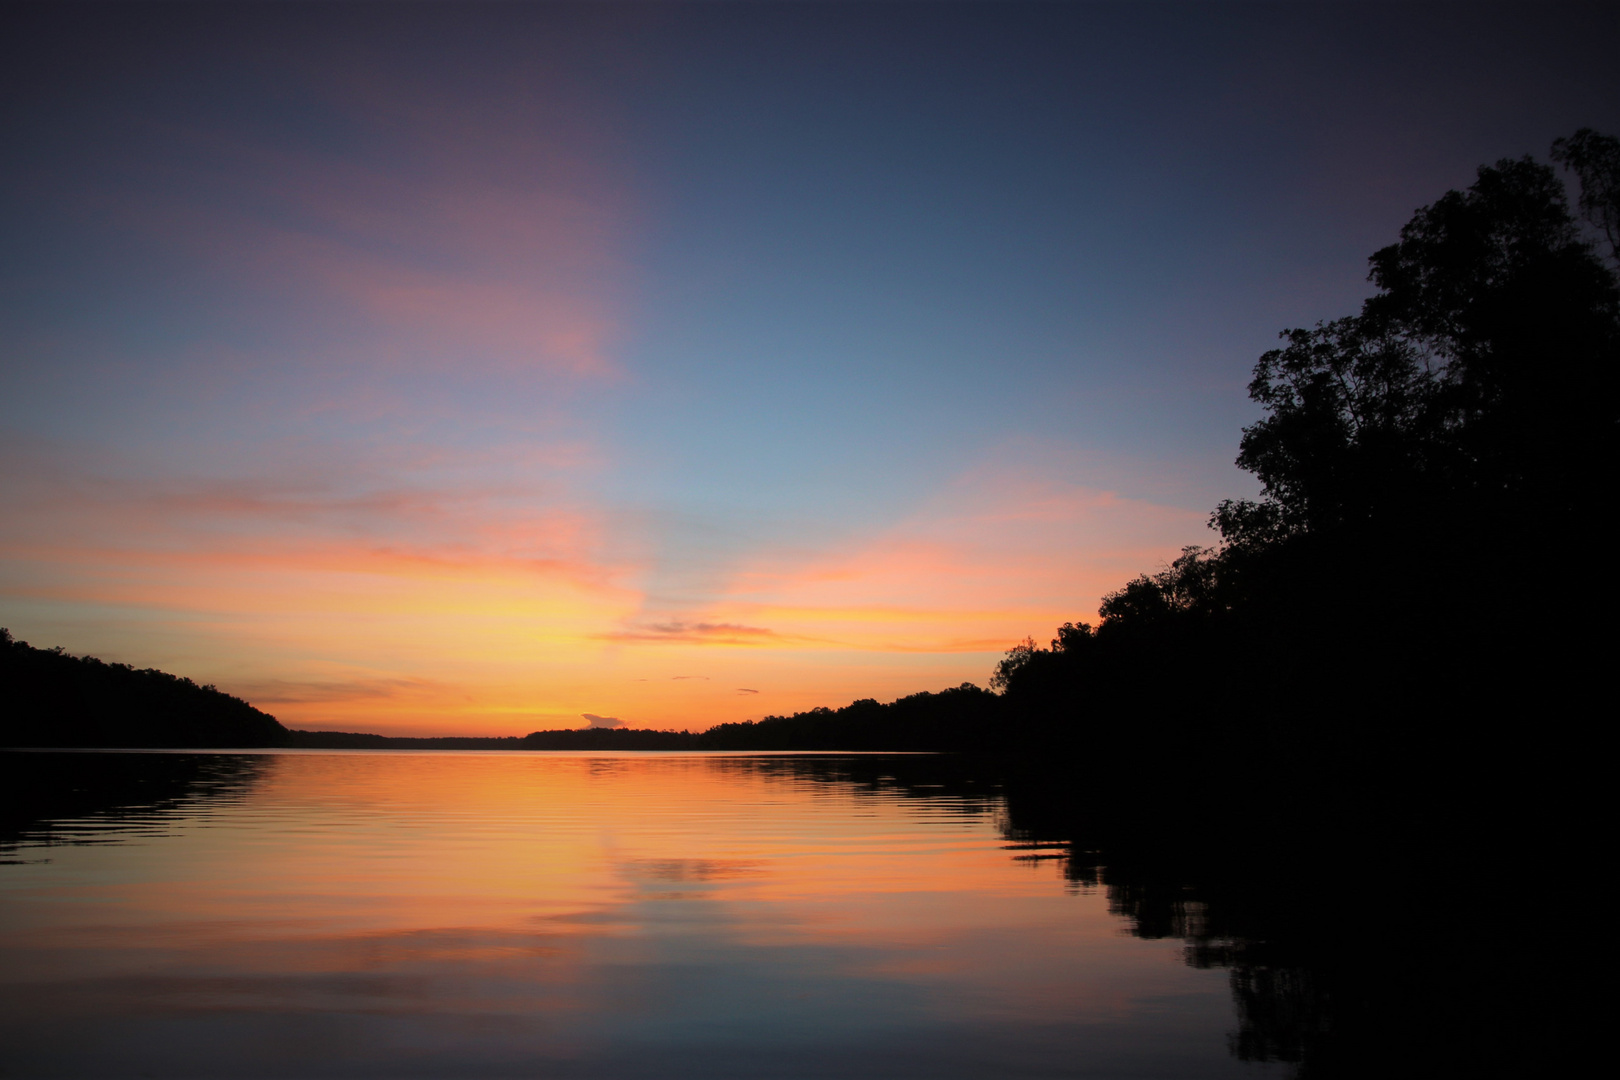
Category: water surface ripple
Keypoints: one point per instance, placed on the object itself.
(462, 915)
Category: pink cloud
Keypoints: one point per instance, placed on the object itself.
(698, 633)
(1003, 552)
(445, 237)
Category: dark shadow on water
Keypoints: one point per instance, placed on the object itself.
(49, 799)
(1364, 933)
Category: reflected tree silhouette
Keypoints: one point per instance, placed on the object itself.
(49, 799)
(49, 697)
(1358, 934)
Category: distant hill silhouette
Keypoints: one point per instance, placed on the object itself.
(574, 739)
(50, 698)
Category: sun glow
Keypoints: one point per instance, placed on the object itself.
(451, 620)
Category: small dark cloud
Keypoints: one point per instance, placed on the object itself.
(602, 721)
(706, 628)
(703, 633)
(745, 690)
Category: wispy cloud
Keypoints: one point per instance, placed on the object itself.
(271, 693)
(447, 231)
(698, 633)
(1008, 549)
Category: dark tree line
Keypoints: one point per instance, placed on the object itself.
(50, 698)
(963, 718)
(567, 739)
(1435, 471)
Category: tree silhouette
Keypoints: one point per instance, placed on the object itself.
(50, 698)
(1595, 160)
(1476, 387)
(1433, 460)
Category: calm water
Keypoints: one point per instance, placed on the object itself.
(506, 914)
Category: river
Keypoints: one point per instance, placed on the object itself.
(352, 914)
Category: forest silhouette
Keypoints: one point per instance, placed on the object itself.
(51, 698)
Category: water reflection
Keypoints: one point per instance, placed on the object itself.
(1353, 921)
(48, 799)
(456, 915)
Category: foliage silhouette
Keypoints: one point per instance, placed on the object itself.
(1476, 387)
(963, 718)
(1437, 457)
(49, 698)
(1595, 160)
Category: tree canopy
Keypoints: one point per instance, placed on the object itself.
(1478, 384)
(50, 698)
(1428, 465)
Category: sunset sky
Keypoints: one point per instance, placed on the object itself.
(480, 369)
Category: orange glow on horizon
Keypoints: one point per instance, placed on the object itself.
(509, 626)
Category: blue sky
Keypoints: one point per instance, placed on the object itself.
(474, 367)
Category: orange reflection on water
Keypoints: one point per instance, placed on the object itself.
(455, 914)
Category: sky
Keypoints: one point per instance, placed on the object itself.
(482, 369)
